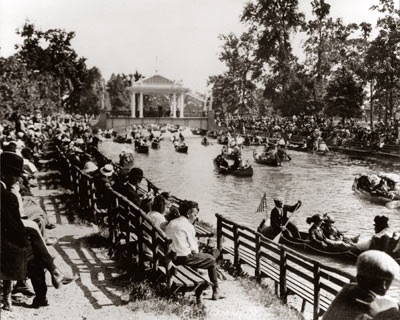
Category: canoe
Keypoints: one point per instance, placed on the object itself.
(304, 245)
(196, 131)
(205, 143)
(223, 140)
(142, 149)
(155, 144)
(244, 172)
(373, 197)
(181, 148)
(266, 161)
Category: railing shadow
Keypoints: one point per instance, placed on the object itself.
(82, 260)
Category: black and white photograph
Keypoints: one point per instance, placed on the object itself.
(200, 159)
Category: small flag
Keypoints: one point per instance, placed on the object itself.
(262, 207)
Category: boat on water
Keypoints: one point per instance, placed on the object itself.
(362, 187)
(182, 148)
(142, 148)
(304, 245)
(196, 131)
(155, 144)
(240, 172)
(265, 160)
(205, 142)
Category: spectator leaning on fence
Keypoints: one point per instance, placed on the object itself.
(367, 298)
(184, 243)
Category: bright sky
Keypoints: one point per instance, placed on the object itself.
(177, 37)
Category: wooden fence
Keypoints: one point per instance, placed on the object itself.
(292, 272)
(130, 227)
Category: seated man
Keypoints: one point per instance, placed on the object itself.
(131, 190)
(367, 297)
(19, 241)
(185, 246)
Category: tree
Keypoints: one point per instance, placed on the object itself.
(24, 91)
(383, 57)
(318, 47)
(275, 21)
(50, 53)
(344, 96)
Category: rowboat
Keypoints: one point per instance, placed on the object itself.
(304, 245)
(183, 148)
(265, 160)
(370, 196)
(142, 148)
(241, 172)
(155, 144)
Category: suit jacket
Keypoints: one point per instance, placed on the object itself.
(278, 218)
(14, 238)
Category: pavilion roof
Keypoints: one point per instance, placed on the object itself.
(158, 85)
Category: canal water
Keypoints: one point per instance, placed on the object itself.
(322, 183)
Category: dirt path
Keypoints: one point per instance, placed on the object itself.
(96, 295)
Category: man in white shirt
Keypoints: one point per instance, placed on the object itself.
(184, 243)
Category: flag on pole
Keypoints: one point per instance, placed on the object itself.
(262, 207)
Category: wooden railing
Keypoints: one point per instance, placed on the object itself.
(292, 272)
(128, 225)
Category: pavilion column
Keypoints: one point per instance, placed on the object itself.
(133, 104)
(181, 105)
(174, 105)
(141, 105)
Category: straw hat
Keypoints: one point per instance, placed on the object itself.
(107, 170)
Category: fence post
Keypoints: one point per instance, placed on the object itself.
(282, 275)
(236, 247)
(219, 233)
(258, 257)
(140, 236)
(317, 286)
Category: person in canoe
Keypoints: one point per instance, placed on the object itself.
(221, 161)
(280, 221)
(318, 238)
(382, 235)
(332, 233)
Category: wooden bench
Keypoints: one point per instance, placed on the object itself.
(146, 244)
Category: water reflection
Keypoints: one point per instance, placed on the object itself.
(323, 183)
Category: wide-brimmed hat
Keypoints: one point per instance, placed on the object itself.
(107, 170)
(328, 218)
(316, 218)
(10, 161)
(90, 166)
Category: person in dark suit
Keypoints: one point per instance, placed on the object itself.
(279, 218)
(23, 252)
(131, 190)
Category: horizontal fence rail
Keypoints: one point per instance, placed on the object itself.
(292, 272)
(146, 244)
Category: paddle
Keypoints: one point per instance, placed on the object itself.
(278, 236)
(393, 204)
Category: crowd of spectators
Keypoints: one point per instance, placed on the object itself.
(335, 132)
